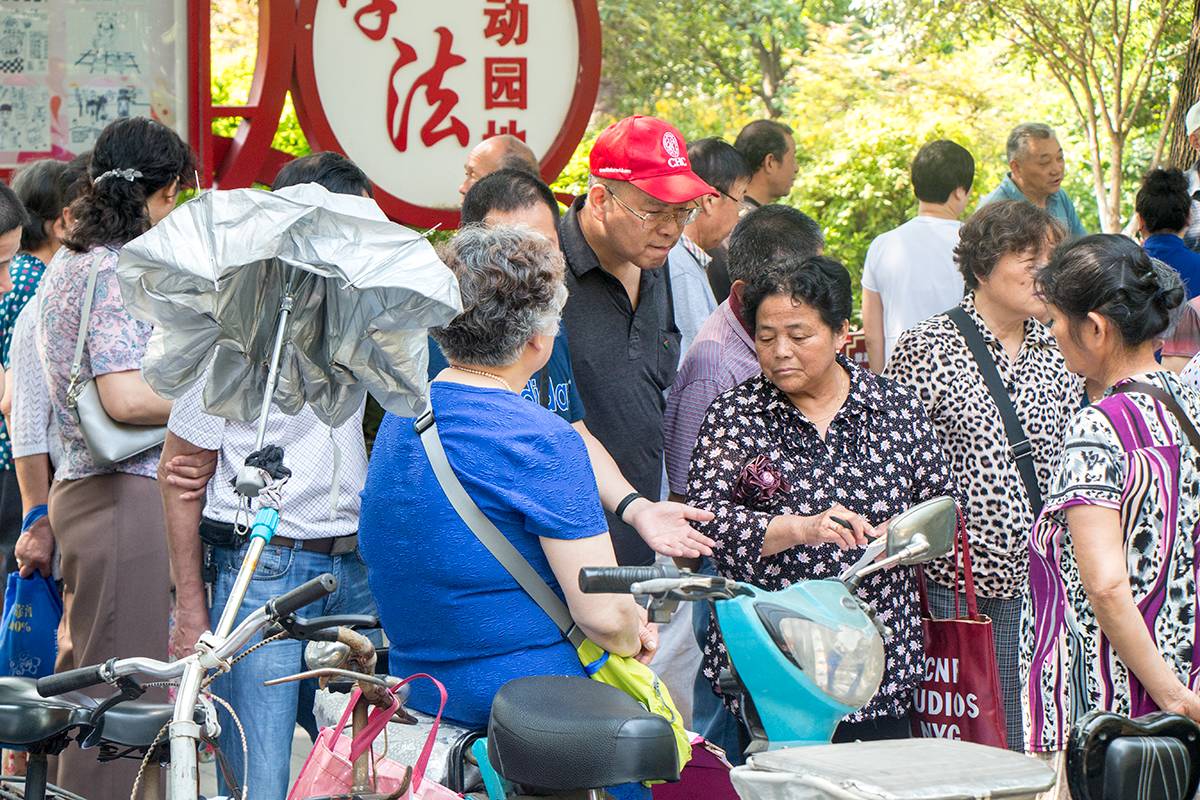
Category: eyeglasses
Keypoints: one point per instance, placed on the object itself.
(679, 216)
(727, 194)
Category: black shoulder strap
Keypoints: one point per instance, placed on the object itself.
(1171, 404)
(1018, 443)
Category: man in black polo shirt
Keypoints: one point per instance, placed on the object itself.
(619, 316)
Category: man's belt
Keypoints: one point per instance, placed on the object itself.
(223, 534)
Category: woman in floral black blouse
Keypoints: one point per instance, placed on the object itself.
(813, 438)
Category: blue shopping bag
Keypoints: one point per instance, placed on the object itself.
(29, 626)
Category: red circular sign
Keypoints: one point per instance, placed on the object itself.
(445, 137)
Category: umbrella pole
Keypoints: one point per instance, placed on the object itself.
(260, 538)
(285, 311)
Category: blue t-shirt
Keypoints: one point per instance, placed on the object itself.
(1171, 250)
(551, 387)
(448, 607)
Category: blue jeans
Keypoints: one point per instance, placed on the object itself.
(269, 713)
(710, 717)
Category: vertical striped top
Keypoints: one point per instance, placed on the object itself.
(1122, 453)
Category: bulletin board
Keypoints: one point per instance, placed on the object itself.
(70, 67)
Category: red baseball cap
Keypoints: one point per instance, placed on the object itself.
(650, 154)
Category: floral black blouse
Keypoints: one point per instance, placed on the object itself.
(880, 456)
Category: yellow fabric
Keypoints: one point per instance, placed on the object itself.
(642, 684)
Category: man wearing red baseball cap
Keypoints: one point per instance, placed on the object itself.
(620, 315)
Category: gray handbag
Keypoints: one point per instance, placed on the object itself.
(108, 441)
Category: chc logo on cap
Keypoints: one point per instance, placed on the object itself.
(671, 144)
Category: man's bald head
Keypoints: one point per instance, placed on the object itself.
(497, 152)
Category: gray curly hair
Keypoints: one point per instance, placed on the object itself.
(511, 279)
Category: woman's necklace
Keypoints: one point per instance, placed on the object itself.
(484, 374)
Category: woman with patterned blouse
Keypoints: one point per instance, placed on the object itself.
(999, 250)
(107, 521)
(814, 439)
(1110, 621)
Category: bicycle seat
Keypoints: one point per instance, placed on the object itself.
(135, 724)
(27, 718)
(1113, 757)
(560, 734)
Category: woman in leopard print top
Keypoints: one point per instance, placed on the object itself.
(999, 249)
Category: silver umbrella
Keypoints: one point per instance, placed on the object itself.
(346, 295)
(284, 298)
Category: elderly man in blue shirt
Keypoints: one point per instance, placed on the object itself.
(1036, 169)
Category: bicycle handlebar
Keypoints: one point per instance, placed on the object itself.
(71, 680)
(282, 606)
(302, 595)
(617, 580)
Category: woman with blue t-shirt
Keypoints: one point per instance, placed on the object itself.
(448, 607)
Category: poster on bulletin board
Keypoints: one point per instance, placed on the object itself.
(70, 67)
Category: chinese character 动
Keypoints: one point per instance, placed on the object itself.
(507, 23)
(510, 128)
(504, 80)
(382, 10)
(440, 99)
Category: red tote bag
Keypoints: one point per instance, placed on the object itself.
(959, 693)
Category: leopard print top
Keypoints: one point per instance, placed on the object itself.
(933, 359)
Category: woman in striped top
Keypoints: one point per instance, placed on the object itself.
(1109, 621)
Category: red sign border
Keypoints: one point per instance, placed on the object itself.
(321, 137)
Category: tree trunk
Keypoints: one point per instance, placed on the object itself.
(1182, 155)
(1110, 212)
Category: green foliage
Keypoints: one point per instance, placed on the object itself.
(721, 49)
(860, 111)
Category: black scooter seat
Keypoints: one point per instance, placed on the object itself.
(27, 718)
(562, 734)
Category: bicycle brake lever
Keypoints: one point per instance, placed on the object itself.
(385, 681)
(129, 690)
(320, 628)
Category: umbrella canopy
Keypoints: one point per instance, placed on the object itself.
(212, 275)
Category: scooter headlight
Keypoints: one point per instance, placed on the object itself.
(844, 662)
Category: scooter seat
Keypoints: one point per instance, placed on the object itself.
(135, 724)
(27, 718)
(561, 734)
(1112, 757)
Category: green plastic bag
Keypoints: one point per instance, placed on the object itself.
(642, 684)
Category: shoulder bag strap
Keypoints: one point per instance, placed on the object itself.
(1018, 442)
(1171, 404)
(489, 535)
(85, 316)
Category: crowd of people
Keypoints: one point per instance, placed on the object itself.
(657, 373)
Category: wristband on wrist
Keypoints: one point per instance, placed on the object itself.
(35, 513)
(625, 503)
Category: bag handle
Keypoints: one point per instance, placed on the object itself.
(961, 542)
(489, 535)
(1169, 402)
(1018, 442)
(85, 316)
(379, 718)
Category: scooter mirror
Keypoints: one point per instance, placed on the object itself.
(936, 521)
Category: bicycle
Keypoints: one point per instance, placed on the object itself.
(47, 726)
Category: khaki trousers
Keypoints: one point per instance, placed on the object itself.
(110, 533)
